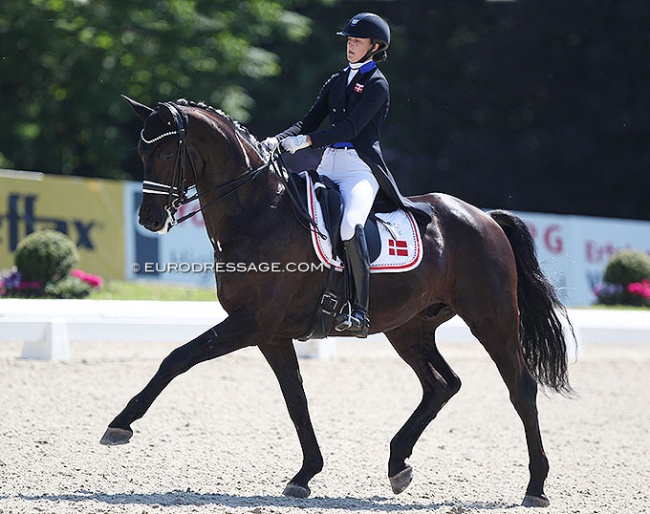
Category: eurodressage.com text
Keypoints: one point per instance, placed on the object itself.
(227, 267)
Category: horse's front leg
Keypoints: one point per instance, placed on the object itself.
(281, 355)
(234, 333)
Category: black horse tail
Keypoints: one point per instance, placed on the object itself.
(540, 330)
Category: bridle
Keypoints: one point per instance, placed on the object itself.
(177, 191)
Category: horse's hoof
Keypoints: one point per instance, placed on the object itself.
(296, 491)
(115, 436)
(402, 480)
(535, 501)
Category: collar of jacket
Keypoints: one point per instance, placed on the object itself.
(369, 66)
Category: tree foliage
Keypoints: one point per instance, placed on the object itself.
(65, 64)
(530, 105)
(555, 117)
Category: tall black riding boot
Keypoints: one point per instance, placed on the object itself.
(356, 319)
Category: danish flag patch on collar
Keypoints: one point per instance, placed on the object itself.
(358, 88)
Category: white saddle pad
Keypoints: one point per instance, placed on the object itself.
(401, 244)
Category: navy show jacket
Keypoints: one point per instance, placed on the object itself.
(357, 113)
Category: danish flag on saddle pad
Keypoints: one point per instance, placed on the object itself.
(358, 88)
(398, 247)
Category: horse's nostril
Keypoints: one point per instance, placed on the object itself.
(151, 224)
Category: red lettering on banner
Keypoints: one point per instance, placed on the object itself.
(597, 254)
(551, 237)
(553, 240)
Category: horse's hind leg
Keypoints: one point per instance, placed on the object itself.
(501, 340)
(281, 355)
(415, 343)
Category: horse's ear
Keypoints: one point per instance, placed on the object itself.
(140, 109)
(166, 114)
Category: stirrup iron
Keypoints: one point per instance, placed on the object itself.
(344, 320)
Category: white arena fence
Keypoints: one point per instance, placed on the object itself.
(46, 327)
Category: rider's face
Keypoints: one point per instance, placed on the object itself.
(357, 48)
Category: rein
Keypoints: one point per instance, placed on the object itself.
(247, 177)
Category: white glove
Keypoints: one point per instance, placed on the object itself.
(270, 143)
(293, 144)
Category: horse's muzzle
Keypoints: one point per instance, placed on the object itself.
(161, 221)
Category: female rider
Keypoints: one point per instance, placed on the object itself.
(356, 100)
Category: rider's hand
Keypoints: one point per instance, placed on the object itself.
(270, 143)
(293, 144)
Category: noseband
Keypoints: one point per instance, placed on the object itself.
(177, 191)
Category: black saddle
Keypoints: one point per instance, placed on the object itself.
(331, 202)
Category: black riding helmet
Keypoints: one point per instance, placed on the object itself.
(368, 25)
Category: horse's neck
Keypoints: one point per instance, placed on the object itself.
(245, 212)
(241, 213)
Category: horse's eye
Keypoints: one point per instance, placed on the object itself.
(167, 154)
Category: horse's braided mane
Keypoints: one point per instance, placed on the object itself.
(241, 129)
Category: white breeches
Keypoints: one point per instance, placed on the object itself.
(356, 182)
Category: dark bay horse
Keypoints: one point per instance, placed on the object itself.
(481, 267)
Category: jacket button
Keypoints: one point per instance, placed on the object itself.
(333, 110)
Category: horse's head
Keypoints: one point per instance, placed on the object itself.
(164, 152)
(175, 160)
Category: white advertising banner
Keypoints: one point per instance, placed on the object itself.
(574, 250)
(184, 255)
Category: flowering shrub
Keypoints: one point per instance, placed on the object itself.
(609, 294)
(44, 262)
(635, 294)
(626, 267)
(626, 280)
(77, 284)
(45, 256)
(13, 285)
(11, 281)
(640, 289)
(67, 287)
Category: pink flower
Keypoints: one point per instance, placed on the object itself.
(641, 289)
(26, 284)
(90, 279)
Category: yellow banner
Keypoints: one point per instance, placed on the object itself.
(89, 211)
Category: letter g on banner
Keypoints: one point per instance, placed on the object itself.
(553, 240)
